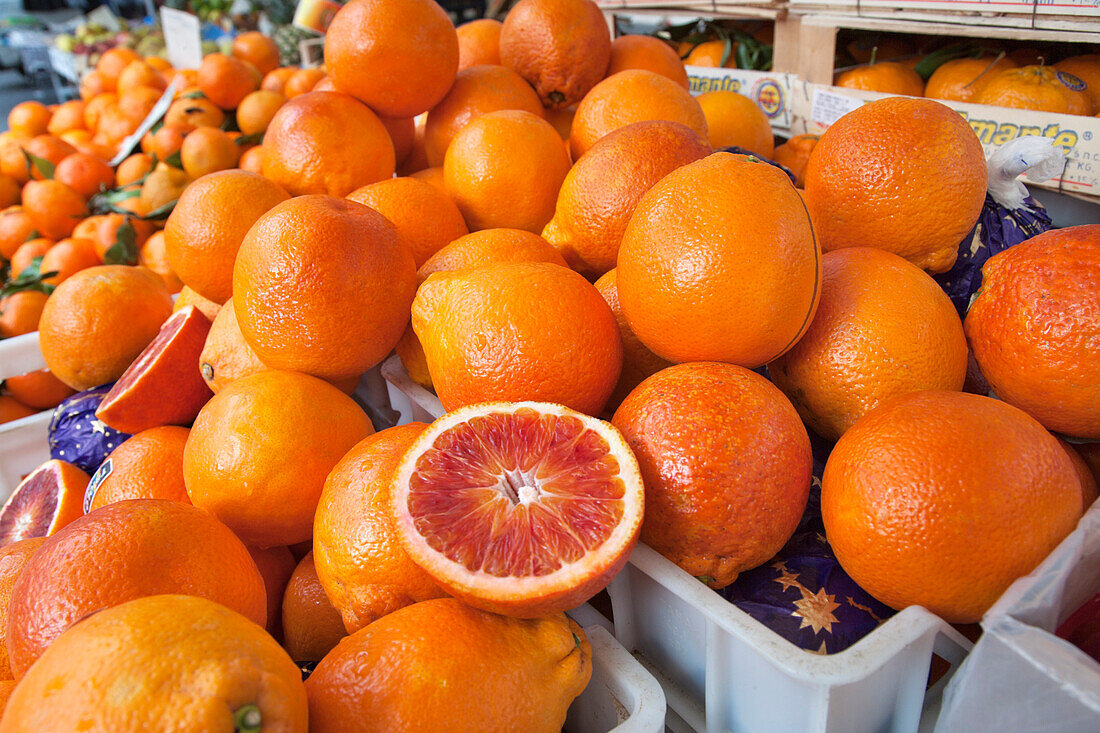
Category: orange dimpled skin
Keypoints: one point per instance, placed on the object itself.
(1039, 88)
(1035, 324)
(54, 208)
(962, 80)
(562, 47)
(518, 331)
(360, 561)
(719, 263)
(442, 665)
(478, 42)
(147, 466)
(726, 464)
(311, 625)
(886, 77)
(867, 185)
(226, 80)
(326, 142)
(397, 56)
(323, 286)
(959, 495)
(178, 658)
(225, 356)
(13, 558)
(489, 246)
(424, 216)
(647, 52)
(638, 361)
(127, 550)
(260, 450)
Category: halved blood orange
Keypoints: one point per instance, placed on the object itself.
(163, 386)
(522, 509)
(50, 497)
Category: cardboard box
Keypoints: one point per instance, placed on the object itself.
(770, 90)
(814, 107)
(1077, 8)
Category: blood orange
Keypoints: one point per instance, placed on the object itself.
(164, 385)
(49, 497)
(523, 509)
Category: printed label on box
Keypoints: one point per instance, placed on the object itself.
(769, 90)
(827, 107)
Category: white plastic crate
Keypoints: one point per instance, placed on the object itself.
(721, 670)
(621, 696)
(23, 443)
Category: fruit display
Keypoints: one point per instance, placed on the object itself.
(650, 325)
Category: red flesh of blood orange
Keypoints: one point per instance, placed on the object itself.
(522, 509)
(46, 500)
(163, 386)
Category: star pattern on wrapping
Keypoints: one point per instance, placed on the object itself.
(976, 243)
(865, 609)
(816, 610)
(786, 578)
(98, 426)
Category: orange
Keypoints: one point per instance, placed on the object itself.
(194, 112)
(140, 74)
(16, 228)
(234, 674)
(13, 558)
(710, 53)
(226, 80)
(46, 501)
(719, 263)
(148, 465)
(275, 80)
(962, 80)
(326, 142)
(12, 409)
(53, 207)
(795, 154)
(93, 83)
(29, 119)
(402, 131)
(166, 183)
(646, 52)
(734, 119)
(434, 176)
(1041, 88)
(226, 357)
(1087, 69)
(27, 252)
(292, 429)
(112, 63)
(883, 328)
(420, 660)
(136, 103)
(1089, 491)
(486, 338)
(323, 286)
(68, 116)
(258, 50)
(50, 148)
(276, 564)
(478, 43)
(417, 157)
(397, 56)
(20, 312)
(1033, 327)
(886, 77)
(489, 246)
(133, 169)
(562, 47)
(68, 257)
(85, 174)
(359, 561)
(726, 464)
(98, 320)
(476, 91)
(252, 160)
(95, 106)
(425, 218)
(158, 63)
(165, 142)
(104, 230)
(154, 255)
(498, 190)
(311, 624)
(631, 96)
(324, 85)
(207, 150)
(10, 191)
(123, 551)
(302, 81)
(206, 227)
(38, 389)
(561, 119)
(638, 361)
(959, 495)
(603, 187)
(188, 297)
(914, 205)
(256, 110)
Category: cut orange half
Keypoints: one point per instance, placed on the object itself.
(50, 497)
(523, 509)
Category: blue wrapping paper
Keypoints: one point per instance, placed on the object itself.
(998, 228)
(78, 436)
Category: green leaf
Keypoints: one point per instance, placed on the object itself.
(124, 251)
(727, 51)
(45, 167)
(928, 65)
(29, 279)
(106, 202)
(174, 160)
(254, 139)
(161, 212)
(194, 95)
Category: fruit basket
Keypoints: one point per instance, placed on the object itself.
(22, 442)
(722, 670)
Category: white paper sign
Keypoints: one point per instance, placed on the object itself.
(162, 105)
(104, 17)
(828, 107)
(181, 38)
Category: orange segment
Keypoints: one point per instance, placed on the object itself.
(523, 509)
(49, 497)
